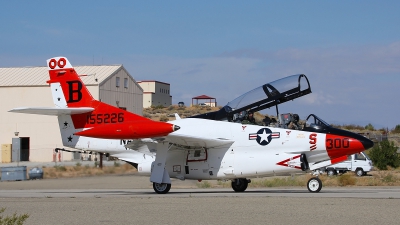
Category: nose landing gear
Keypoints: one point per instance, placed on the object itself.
(314, 184)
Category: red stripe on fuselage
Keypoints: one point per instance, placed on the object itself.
(338, 160)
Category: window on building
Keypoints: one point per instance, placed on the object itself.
(117, 82)
(125, 82)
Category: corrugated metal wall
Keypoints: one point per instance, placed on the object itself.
(128, 93)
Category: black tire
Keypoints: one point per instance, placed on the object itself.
(161, 188)
(331, 172)
(359, 172)
(239, 185)
(314, 185)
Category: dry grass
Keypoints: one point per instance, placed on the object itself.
(82, 171)
(375, 178)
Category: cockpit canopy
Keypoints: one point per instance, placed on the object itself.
(265, 96)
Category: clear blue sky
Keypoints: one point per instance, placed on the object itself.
(350, 50)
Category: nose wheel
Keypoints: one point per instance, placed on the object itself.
(314, 185)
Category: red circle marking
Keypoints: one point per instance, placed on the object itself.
(52, 63)
(62, 62)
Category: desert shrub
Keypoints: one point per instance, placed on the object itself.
(204, 184)
(164, 118)
(352, 127)
(389, 178)
(384, 154)
(369, 127)
(14, 219)
(278, 182)
(147, 115)
(116, 164)
(396, 129)
(60, 168)
(336, 125)
(346, 179)
(157, 106)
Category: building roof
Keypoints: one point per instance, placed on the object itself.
(37, 76)
(152, 81)
(203, 97)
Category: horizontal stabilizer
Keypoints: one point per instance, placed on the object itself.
(52, 111)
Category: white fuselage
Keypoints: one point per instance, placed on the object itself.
(194, 155)
(250, 155)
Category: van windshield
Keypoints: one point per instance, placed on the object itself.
(366, 156)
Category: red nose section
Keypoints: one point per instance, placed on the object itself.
(339, 146)
(130, 130)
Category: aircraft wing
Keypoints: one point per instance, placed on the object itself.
(133, 157)
(146, 146)
(52, 111)
(192, 141)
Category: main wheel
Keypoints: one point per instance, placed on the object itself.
(161, 188)
(331, 172)
(239, 185)
(359, 172)
(314, 185)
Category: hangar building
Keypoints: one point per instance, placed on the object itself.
(27, 87)
(155, 93)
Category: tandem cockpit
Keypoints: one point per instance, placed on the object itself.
(266, 96)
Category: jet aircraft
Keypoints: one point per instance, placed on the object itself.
(209, 146)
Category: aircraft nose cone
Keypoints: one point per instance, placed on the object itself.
(176, 127)
(366, 143)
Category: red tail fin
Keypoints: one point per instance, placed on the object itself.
(75, 92)
(105, 121)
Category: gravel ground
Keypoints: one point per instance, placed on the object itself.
(187, 209)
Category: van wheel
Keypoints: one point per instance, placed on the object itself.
(330, 172)
(359, 172)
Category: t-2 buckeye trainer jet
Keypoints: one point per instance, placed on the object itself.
(210, 146)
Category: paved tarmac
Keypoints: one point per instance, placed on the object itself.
(129, 199)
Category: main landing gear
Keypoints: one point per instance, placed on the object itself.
(161, 188)
(240, 184)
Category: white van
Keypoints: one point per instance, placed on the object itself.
(359, 163)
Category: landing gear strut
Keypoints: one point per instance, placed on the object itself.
(314, 185)
(161, 188)
(240, 184)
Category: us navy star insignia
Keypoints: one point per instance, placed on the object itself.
(264, 136)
